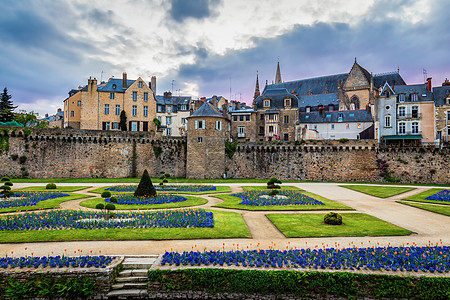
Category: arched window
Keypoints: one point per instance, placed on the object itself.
(354, 102)
(387, 121)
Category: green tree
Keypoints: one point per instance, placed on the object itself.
(123, 121)
(145, 187)
(6, 107)
(157, 123)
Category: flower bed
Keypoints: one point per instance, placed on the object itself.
(168, 188)
(28, 198)
(68, 219)
(426, 259)
(56, 261)
(286, 197)
(159, 199)
(441, 196)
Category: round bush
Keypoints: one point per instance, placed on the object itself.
(5, 187)
(100, 206)
(9, 183)
(332, 219)
(106, 194)
(5, 179)
(274, 192)
(165, 180)
(110, 206)
(50, 186)
(167, 175)
(271, 184)
(161, 184)
(113, 200)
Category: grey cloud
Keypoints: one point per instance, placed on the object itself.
(197, 9)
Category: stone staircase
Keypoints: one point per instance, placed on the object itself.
(132, 281)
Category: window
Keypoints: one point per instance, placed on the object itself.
(332, 126)
(262, 117)
(106, 126)
(415, 111)
(414, 98)
(140, 84)
(169, 108)
(401, 98)
(115, 125)
(241, 131)
(402, 111)
(247, 118)
(134, 126)
(200, 139)
(241, 118)
(72, 113)
(159, 108)
(387, 121)
(235, 118)
(287, 102)
(79, 103)
(261, 130)
(106, 109)
(183, 120)
(415, 127)
(134, 111)
(270, 117)
(388, 107)
(448, 130)
(168, 120)
(402, 128)
(266, 103)
(183, 107)
(169, 131)
(218, 125)
(286, 119)
(159, 119)
(145, 111)
(308, 109)
(340, 117)
(111, 96)
(134, 96)
(145, 96)
(270, 129)
(200, 124)
(117, 109)
(330, 107)
(286, 137)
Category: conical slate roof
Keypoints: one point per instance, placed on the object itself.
(206, 110)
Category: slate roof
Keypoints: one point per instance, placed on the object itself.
(321, 99)
(173, 100)
(246, 109)
(440, 94)
(114, 85)
(316, 85)
(206, 110)
(393, 79)
(348, 116)
(420, 89)
(276, 95)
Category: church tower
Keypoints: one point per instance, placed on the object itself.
(257, 93)
(278, 75)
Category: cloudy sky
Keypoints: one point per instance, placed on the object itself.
(204, 47)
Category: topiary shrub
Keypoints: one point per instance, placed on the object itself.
(110, 206)
(165, 180)
(50, 186)
(100, 206)
(272, 183)
(145, 187)
(8, 183)
(113, 199)
(274, 192)
(5, 179)
(332, 219)
(106, 194)
(5, 190)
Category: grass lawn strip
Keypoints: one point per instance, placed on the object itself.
(443, 210)
(191, 201)
(45, 204)
(264, 188)
(233, 202)
(421, 197)
(378, 191)
(219, 189)
(226, 225)
(355, 224)
(58, 189)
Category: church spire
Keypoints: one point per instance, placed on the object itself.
(257, 93)
(278, 75)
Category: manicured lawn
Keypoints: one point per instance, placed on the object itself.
(58, 189)
(355, 224)
(264, 188)
(443, 210)
(378, 191)
(226, 225)
(191, 201)
(421, 197)
(233, 202)
(219, 189)
(45, 204)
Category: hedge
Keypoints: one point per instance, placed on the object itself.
(306, 284)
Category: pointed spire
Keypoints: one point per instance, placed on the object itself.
(257, 93)
(278, 75)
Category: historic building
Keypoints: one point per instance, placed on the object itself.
(243, 124)
(98, 106)
(172, 112)
(441, 97)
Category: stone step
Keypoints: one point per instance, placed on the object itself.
(127, 294)
(139, 262)
(133, 272)
(129, 285)
(132, 279)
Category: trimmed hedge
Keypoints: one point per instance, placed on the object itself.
(306, 284)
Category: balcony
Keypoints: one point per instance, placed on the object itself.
(241, 135)
(411, 133)
(409, 116)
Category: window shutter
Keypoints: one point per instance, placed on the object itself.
(196, 124)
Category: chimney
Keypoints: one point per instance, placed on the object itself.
(153, 85)
(429, 83)
(446, 82)
(203, 99)
(58, 110)
(167, 94)
(368, 109)
(124, 80)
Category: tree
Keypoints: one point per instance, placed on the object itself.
(157, 123)
(145, 188)
(123, 121)
(6, 107)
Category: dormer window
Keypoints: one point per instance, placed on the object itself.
(414, 97)
(401, 98)
(267, 103)
(308, 109)
(287, 102)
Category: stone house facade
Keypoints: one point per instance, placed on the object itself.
(243, 125)
(442, 112)
(172, 112)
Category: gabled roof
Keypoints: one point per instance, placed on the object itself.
(347, 116)
(386, 88)
(277, 96)
(206, 110)
(440, 93)
(114, 85)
